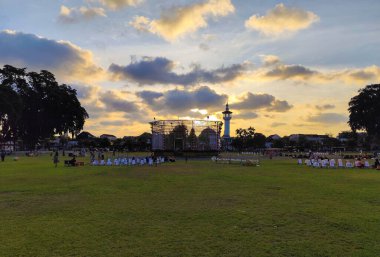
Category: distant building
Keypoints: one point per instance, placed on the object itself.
(109, 137)
(273, 137)
(85, 135)
(308, 137)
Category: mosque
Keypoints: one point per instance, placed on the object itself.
(192, 135)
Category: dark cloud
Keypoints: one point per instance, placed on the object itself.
(325, 107)
(280, 106)
(149, 96)
(149, 71)
(291, 71)
(181, 101)
(84, 91)
(330, 118)
(363, 75)
(254, 101)
(258, 101)
(37, 53)
(117, 104)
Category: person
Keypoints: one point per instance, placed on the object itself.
(73, 161)
(2, 155)
(55, 159)
(376, 165)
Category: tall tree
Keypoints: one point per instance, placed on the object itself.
(365, 111)
(41, 107)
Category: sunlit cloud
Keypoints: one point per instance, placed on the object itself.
(325, 107)
(329, 118)
(73, 15)
(246, 116)
(278, 124)
(118, 4)
(63, 58)
(281, 19)
(269, 60)
(180, 21)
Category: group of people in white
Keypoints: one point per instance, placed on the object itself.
(331, 163)
(131, 161)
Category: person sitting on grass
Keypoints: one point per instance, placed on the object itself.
(73, 161)
(376, 165)
(358, 163)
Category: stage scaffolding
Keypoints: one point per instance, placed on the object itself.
(186, 135)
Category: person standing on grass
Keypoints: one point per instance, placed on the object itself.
(55, 159)
(2, 155)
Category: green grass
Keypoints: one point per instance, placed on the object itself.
(187, 209)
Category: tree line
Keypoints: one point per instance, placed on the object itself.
(34, 106)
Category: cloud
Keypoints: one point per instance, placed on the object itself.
(269, 60)
(149, 97)
(204, 47)
(180, 21)
(291, 71)
(280, 106)
(150, 71)
(118, 4)
(115, 103)
(278, 124)
(73, 15)
(251, 101)
(370, 74)
(325, 107)
(182, 101)
(85, 92)
(329, 118)
(281, 19)
(246, 116)
(63, 58)
(116, 123)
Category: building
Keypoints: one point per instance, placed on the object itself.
(227, 139)
(84, 135)
(109, 137)
(308, 137)
(227, 118)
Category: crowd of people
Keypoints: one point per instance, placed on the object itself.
(318, 162)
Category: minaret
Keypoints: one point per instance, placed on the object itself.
(227, 117)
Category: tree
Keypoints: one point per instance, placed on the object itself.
(259, 140)
(244, 138)
(37, 107)
(193, 141)
(364, 111)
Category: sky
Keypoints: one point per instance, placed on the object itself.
(285, 67)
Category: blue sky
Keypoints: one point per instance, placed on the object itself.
(287, 66)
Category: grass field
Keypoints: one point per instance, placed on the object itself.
(187, 209)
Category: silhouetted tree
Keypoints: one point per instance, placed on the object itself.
(259, 140)
(364, 111)
(40, 106)
(244, 138)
